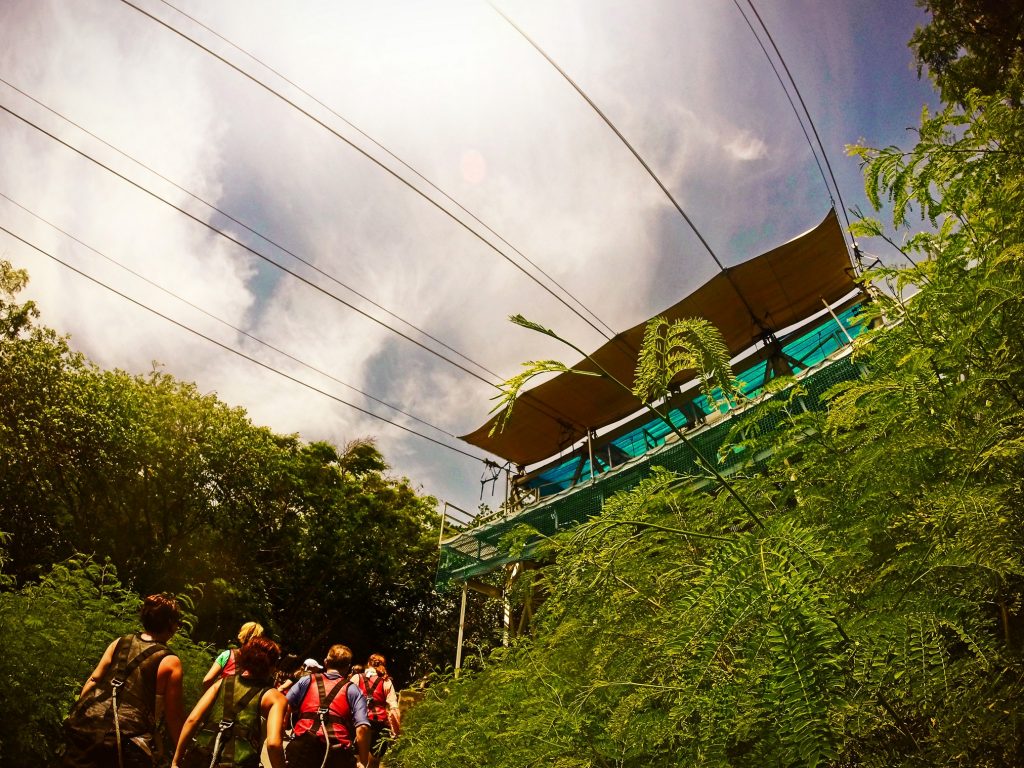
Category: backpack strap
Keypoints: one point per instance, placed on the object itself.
(136, 662)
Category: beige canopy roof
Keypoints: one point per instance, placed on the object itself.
(765, 294)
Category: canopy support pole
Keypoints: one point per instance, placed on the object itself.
(462, 628)
(444, 514)
(842, 327)
(590, 450)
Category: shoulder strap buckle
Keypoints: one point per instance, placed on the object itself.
(116, 682)
(225, 725)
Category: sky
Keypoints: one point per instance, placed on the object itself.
(453, 91)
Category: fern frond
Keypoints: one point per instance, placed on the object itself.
(511, 389)
(668, 349)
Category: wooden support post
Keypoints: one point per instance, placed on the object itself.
(506, 626)
(462, 629)
(527, 615)
(506, 619)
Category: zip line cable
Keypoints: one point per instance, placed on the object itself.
(248, 248)
(807, 112)
(231, 349)
(246, 227)
(369, 157)
(639, 158)
(393, 156)
(527, 399)
(615, 130)
(222, 321)
(792, 104)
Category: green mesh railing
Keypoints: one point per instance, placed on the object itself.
(476, 551)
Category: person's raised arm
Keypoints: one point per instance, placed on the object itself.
(101, 669)
(215, 669)
(274, 705)
(197, 716)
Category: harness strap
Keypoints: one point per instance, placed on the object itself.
(326, 699)
(378, 680)
(114, 685)
(227, 722)
(140, 657)
(123, 669)
(324, 711)
(329, 717)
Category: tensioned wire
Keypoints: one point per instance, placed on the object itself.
(239, 353)
(789, 98)
(369, 157)
(221, 320)
(527, 400)
(639, 158)
(241, 244)
(807, 112)
(393, 156)
(245, 226)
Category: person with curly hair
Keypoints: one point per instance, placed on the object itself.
(224, 728)
(136, 683)
(381, 706)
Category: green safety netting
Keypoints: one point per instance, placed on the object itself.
(477, 551)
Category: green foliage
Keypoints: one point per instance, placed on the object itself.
(877, 616)
(972, 44)
(691, 345)
(183, 493)
(512, 388)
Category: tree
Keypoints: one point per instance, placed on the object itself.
(972, 44)
(183, 493)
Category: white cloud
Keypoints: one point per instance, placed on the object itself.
(746, 147)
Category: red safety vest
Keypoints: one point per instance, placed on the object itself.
(376, 698)
(338, 716)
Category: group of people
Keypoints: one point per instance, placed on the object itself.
(329, 715)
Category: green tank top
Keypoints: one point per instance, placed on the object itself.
(238, 703)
